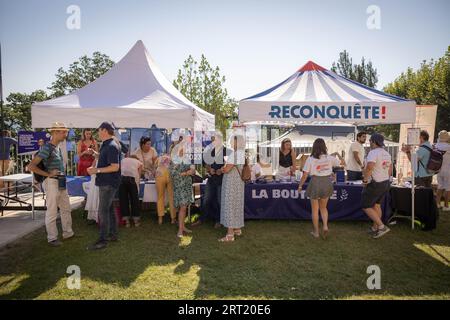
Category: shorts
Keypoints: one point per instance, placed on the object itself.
(374, 193)
(319, 187)
(443, 179)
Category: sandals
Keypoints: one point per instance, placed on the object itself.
(238, 232)
(316, 236)
(325, 234)
(227, 238)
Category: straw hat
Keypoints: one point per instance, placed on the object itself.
(58, 126)
(444, 136)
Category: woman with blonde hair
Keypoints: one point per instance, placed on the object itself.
(443, 177)
(232, 194)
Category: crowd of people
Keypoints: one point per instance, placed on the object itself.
(116, 171)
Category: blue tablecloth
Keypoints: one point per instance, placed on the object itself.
(75, 186)
(282, 201)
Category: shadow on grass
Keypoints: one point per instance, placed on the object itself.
(273, 260)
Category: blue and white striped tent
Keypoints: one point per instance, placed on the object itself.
(316, 95)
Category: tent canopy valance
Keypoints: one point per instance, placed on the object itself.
(314, 94)
(132, 94)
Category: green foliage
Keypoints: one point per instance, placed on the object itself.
(203, 85)
(363, 73)
(80, 73)
(429, 85)
(17, 110)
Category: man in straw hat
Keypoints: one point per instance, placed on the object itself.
(54, 184)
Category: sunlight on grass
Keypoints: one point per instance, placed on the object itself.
(11, 283)
(440, 253)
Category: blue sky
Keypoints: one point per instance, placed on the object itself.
(255, 43)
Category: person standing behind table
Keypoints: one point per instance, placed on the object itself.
(287, 158)
(181, 174)
(233, 190)
(5, 145)
(214, 161)
(163, 185)
(148, 156)
(85, 151)
(108, 180)
(378, 170)
(355, 160)
(130, 168)
(443, 177)
(320, 188)
(56, 196)
(422, 177)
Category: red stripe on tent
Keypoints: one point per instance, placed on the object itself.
(311, 66)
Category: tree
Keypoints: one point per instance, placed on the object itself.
(430, 84)
(80, 73)
(17, 110)
(204, 86)
(363, 73)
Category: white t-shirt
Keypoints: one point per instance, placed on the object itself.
(444, 146)
(321, 167)
(382, 160)
(256, 169)
(352, 165)
(129, 167)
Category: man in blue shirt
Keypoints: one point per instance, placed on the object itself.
(422, 177)
(108, 181)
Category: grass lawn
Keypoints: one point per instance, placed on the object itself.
(272, 260)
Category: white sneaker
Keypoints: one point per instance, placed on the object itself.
(446, 209)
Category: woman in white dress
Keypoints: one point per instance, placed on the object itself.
(92, 198)
(232, 195)
(443, 177)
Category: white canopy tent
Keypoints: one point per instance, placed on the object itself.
(132, 94)
(315, 94)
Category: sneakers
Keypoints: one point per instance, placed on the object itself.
(371, 232)
(446, 209)
(381, 232)
(55, 243)
(98, 245)
(113, 239)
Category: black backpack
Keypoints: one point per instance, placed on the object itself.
(41, 165)
(435, 162)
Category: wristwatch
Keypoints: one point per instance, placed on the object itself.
(98, 170)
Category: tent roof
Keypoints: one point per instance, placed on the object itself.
(300, 139)
(313, 85)
(133, 94)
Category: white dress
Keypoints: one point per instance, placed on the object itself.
(92, 200)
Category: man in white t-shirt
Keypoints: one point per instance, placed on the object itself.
(355, 160)
(378, 170)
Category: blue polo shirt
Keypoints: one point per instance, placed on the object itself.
(423, 156)
(109, 154)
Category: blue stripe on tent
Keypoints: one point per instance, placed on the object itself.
(368, 88)
(310, 90)
(261, 94)
(287, 95)
(349, 90)
(330, 92)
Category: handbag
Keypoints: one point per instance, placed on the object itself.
(246, 174)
